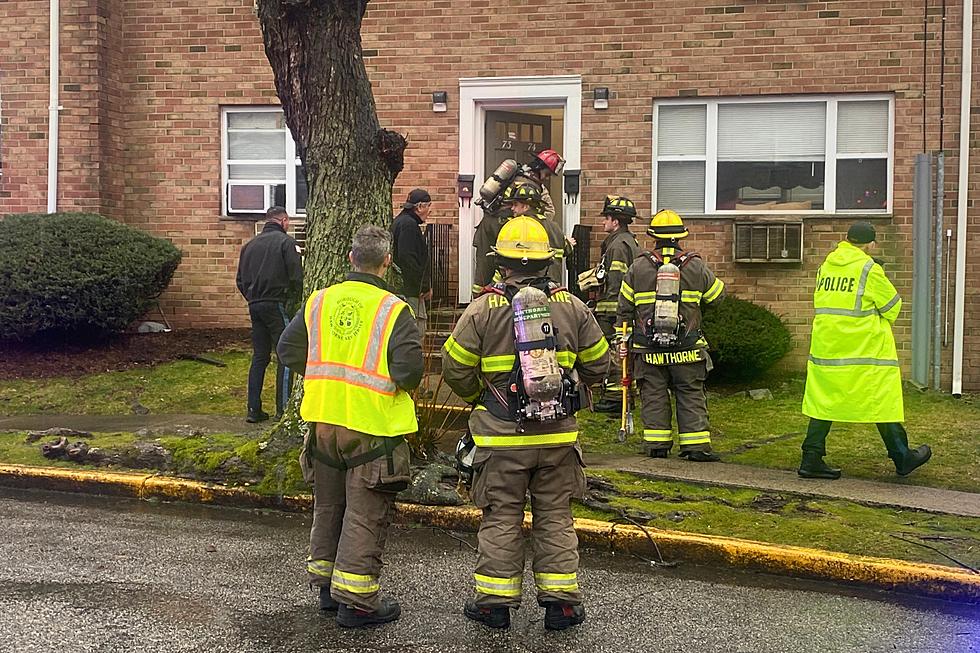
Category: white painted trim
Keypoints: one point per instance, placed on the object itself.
(476, 94)
(830, 158)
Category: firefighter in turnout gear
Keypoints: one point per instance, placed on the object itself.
(852, 353)
(661, 300)
(535, 174)
(523, 352)
(619, 249)
(358, 348)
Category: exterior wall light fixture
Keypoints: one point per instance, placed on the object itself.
(600, 98)
(439, 101)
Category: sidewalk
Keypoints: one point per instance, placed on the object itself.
(894, 494)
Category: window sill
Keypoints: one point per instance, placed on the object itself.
(242, 218)
(786, 217)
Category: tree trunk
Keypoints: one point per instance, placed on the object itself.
(314, 47)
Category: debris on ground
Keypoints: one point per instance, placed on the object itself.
(58, 431)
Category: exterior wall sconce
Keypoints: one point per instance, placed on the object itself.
(600, 98)
(439, 101)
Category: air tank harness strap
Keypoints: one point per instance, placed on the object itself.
(387, 447)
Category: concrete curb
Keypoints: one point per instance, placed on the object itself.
(934, 581)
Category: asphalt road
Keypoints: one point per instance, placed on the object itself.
(84, 574)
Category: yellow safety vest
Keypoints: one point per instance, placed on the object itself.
(853, 373)
(347, 382)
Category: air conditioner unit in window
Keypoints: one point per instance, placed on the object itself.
(768, 242)
(297, 229)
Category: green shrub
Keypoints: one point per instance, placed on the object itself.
(77, 274)
(745, 339)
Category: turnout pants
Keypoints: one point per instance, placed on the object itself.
(686, 381)
(352, 510)
(268, 321)
(502, 480)
(892, 434)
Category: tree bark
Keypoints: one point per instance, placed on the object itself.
(314, 47)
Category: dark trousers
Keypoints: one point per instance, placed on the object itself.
(892, 434)
(268, 321)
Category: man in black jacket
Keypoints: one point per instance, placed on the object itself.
(270, 277)
(410, 253)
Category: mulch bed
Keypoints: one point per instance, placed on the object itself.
(125, 351)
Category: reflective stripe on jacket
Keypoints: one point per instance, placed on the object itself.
(619, 249)
(853, 373)
(347, 381)
(481, 349)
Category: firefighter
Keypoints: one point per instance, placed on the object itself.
(514, 453)
(852, 353)
(359, 350)
(660, 299)
(544, 164)
(619, 249)
(528, 200)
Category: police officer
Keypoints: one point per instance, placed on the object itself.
(670, 354)
(359, 350)
(852, 353)
(619, 249)
(512, 458)
(535, 174)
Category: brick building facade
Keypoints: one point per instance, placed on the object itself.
(150, 135)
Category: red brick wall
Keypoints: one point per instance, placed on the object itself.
(142, 134)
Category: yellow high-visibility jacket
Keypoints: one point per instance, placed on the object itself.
(853, 373)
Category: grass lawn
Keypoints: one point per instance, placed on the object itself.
(768, 433)
(181, 387)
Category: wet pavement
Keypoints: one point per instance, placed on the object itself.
(89, 574)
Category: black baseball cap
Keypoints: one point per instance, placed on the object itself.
(416, 197)
(861, 233)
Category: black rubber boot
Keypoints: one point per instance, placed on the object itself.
(559, 616)
(813, 466)
(492, 616)
(699, 456)
(913, 459)
(608, 405)
(350, 617)
(327, 602)
(654, 451)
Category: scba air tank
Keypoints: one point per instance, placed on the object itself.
(666, 309)
(535, 340)
(498, 181)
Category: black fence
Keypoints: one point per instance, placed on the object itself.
(580, 260)
(440, 239)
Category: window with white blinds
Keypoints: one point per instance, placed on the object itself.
(813, 154)
(260, 168)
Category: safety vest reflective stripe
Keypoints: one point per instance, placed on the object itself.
(626, 292)
(352, 375)
(498, 586)
(657, 435)
(691, 296)
(316, 316)
(525, 439)
(319, 567)
(863, 284)
(838, 362)
(594, 352)
(382, 318)
(606, 306)
(355, 583)
(714, 291)
(696, 437)
(618, 266)
(557, 582)
(844, 311)
(459, 353)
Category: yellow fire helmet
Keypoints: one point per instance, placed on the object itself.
(523, 238)
(667, 225)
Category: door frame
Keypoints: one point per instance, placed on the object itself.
(476, 95)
